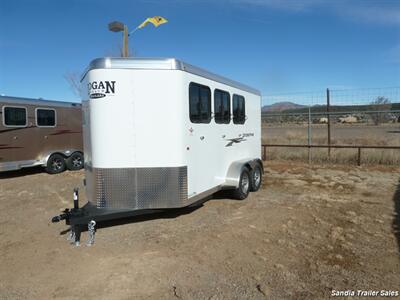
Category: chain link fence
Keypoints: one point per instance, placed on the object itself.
(333, 118)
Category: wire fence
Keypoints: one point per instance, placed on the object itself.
(356, 117)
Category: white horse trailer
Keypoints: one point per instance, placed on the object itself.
(160, 133)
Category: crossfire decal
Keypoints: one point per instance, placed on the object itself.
(239, 139)
(234, 141)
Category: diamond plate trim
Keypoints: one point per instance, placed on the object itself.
(137, 188)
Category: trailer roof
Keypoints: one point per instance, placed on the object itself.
(162, 64)
(21, 100)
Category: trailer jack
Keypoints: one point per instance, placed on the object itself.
(75, 229)
(75, 234)
(92, 231)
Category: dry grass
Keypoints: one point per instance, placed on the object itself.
(383, 135)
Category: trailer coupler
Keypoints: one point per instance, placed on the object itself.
(76, 229)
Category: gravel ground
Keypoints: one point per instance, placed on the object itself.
(308, 231)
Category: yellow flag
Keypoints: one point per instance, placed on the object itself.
(156, 21)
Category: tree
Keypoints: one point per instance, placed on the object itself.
(381, 103)
(73, 79)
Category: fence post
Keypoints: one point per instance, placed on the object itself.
(309, 134)
(359, 157)
(328, 115)
(264, 157)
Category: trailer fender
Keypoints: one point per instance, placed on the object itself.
(256, 162)
(235, 169)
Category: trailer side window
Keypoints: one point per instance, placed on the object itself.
(239, 110)
(15, 116)
(45, 117)
(199, 103)
(222, 107)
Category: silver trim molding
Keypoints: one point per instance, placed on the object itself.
(41, 161)
(17, 165)
(205, 194)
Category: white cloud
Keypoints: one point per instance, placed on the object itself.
(288, 5)
(372, 11)
(383, 12)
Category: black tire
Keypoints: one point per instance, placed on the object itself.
(255, 178)
(243, 189)
(75, 161)
(56, 164)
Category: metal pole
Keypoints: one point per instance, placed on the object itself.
(309, 135)
(264, 153)
(76, 198)
(359, 157)
(328, 109)
(125, 43)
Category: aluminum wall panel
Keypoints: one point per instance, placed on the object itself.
(137, 188)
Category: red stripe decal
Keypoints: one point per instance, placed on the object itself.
(1, 148)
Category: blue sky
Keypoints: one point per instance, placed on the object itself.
(277, 46)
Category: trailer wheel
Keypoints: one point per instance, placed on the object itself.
(55, 164)
(255, 178)
(243, 189)
(75, 161)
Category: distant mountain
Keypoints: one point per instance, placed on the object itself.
(289, 107)
(281, 106)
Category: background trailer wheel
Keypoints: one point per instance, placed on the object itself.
(255, 178)
(75, 161)
(243, 189)
(55, 164)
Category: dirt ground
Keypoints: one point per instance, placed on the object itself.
(308, 231)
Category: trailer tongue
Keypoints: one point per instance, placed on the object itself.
(88, 215)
